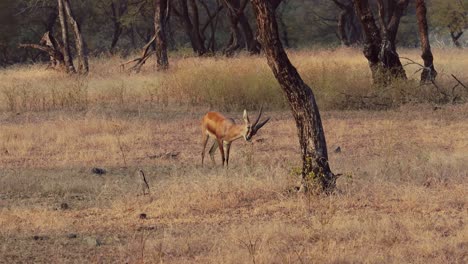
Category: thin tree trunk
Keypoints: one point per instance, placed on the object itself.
(301, 100)
(83, 66)
(191, 25)
(342, 28)
(118, 29)
(250, 41)
(380, 47)
(160, 21)
(373, 39)
(388, 53)
(235, 40)
(67, 57)
(348, 24)
(429, 73)
(196, 35)
(49, 24)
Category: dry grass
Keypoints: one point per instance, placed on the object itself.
(221, 83)
(402, 199)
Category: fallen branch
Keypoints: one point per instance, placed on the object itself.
(145, 55)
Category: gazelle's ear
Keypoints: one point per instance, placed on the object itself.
(246, 117)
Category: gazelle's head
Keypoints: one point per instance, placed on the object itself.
(252, 129)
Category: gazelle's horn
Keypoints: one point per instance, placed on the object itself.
(258, 126)
(259, 115)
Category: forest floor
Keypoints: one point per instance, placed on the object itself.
(402, 197)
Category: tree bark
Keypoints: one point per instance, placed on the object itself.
(240, 23)
(160, 22)
(83, 66)
(50, 45)
(348, 25)
(301, 100)
(191, 24)
(67, 57)
(117, 12)
(429, 73)
(388, 54)
(372, 36)
(380, 47)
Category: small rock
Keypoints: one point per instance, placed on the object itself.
(338, 150)
(37, 237)
(98, 171)
(92, 242)
(142, 216)
(72, 235)
(64, 206)
(146, 228)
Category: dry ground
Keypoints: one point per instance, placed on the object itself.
(402, 199)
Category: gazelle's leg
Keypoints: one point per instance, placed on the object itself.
(221, 149)
(213, 150)
(205, 140)
(227, 147)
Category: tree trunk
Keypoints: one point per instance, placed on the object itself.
(380, 47)
(249, 38)
(67, 57)
(235, 39)
(388, 55)
(160, 22)
(51, 19)
(342, 28)
(191, 25)
(372, 36)
(196, 35)
(239, 22)
(83, 66)
(429, 73)
(348, 31)
(117, 12)
(301, 100)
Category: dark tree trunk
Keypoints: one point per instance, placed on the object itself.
(388, 55)
(372, 36)
(240, 23)
(380, 47)
(117, 12)
(342, 28)
(50, 22)
(196, 34)
(235, 39)
(80, 44)
(429, 73)
(348, 25)
(250, 42)
(191, 24)
(67, 57)
(160, 22)
(301, 100)
(212, 22)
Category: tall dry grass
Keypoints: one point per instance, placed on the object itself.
(222, 83)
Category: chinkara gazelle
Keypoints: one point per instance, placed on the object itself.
(225, 131)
